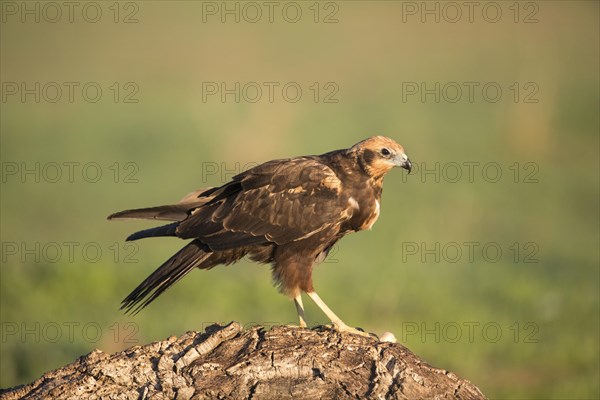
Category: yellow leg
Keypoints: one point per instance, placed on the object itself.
(338, 324)
(300, 309)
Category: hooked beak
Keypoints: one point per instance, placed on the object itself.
(402, 160)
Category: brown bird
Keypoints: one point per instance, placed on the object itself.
(288, 213)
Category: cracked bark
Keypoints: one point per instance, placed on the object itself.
(226, 362)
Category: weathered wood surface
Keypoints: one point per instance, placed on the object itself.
(226, 362)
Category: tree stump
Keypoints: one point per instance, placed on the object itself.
(226, 362)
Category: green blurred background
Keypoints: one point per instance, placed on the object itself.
(517, 329)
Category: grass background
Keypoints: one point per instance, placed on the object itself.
(547, 311)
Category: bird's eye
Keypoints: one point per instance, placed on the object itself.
(385, 152)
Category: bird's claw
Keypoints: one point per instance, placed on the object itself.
(348, 329)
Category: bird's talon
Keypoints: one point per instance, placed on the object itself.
(348, 329)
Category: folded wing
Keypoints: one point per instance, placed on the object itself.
(279, 202)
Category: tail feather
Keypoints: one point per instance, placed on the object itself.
(158, 231)
(175, 268)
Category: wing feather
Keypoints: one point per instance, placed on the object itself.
(171, 212)
(279, 201)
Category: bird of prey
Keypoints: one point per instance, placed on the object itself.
(287, 212)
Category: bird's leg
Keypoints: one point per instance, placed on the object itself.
(300, 309)
(335, 320)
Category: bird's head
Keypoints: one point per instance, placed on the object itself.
(379, 154)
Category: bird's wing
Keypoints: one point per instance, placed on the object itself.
(171, 212)
(280, 201)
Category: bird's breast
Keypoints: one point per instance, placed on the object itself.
(364, 213)
(372, 217)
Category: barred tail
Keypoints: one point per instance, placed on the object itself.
(191, 256)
